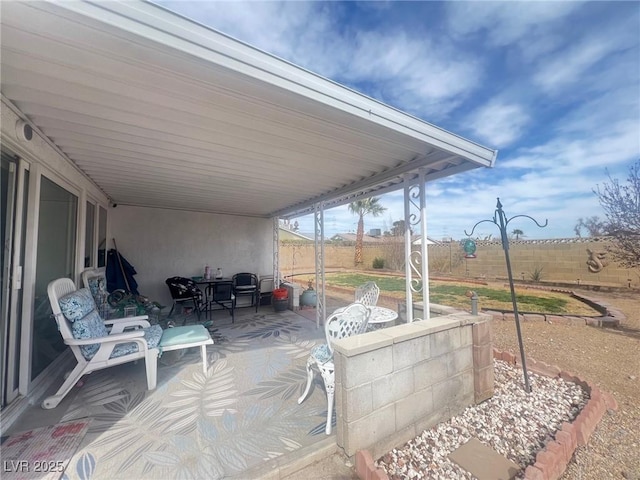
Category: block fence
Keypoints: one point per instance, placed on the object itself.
(566, 261)
(392, 384)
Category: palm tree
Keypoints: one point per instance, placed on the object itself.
(517, 232)
(361, 208)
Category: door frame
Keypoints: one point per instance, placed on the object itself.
(15, 279)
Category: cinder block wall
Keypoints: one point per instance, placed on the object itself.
(299, 257)
(393, 383)
(560, 260)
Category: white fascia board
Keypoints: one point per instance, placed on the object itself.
(155, 23)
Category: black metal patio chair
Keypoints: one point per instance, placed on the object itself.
(246, 285)
(185, 290)
(220, 293)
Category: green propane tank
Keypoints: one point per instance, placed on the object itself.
(309, 297)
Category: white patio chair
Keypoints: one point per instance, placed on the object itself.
(368, 294)
(351, 320)
(91, 273)
(99, 344)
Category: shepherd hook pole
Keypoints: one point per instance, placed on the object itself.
(501, 221)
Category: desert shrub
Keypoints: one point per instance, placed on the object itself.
(536, 275)
(378, 262)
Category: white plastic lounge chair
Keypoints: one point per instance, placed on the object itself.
(98, 344)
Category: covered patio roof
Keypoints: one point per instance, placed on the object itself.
(160, 111)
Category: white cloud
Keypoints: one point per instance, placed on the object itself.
(607, 104)
(602, 131)
(413, 73)
(529, 26)
(569, 66)
(455, 205)
(498, 123)
(417, 73)
(553, 85)
(266, 25)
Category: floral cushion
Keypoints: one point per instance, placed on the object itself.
(321, 353)
(77, 305)
(93, 323)
(91, 326)
(98, 287)
(152, 335)
(80, 309)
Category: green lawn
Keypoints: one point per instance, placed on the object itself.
(446, 294)
(454, 294)
(352, 280)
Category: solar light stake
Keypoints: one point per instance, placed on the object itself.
(501, 221)
(474, 303)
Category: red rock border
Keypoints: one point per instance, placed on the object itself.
(553, 459)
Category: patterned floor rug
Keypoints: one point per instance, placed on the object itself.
(41, 453)
(243, 412)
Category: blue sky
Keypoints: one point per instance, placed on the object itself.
(554, 86)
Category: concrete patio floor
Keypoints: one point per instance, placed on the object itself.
(241, 420)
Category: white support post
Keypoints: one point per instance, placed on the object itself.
(407, 252)
(424, 247)
(319, 251)
(416, 262)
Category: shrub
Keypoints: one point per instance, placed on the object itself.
(536, 275)
(378, 262)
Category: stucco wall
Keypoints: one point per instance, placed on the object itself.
(162, 243)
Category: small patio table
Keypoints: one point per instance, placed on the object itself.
(211, 281)
(380, 316)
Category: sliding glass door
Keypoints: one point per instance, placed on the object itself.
(56, 257)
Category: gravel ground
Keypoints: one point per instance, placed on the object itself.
(516, 425)
(609, 358)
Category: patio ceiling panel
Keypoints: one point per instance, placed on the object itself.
(160, 111)
(126, 93)
(325, 146)
(54, 93)
(180, 146)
